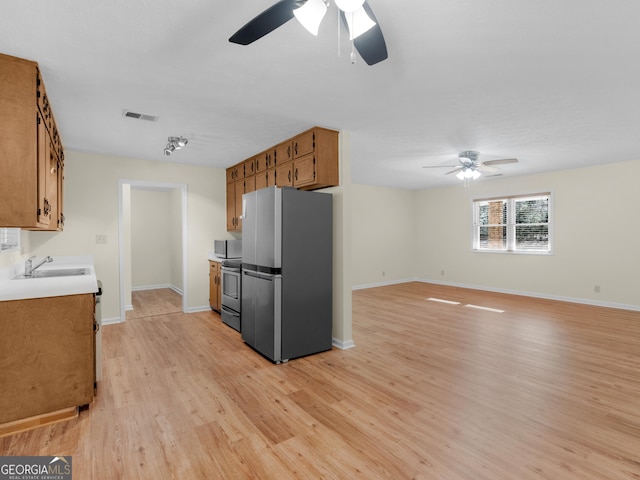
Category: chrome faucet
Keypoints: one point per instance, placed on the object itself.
(29, 268)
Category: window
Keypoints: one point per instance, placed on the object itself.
(512, 224)
(9, 239)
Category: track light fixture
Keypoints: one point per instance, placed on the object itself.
(175, 143)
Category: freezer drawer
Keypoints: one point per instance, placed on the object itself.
(261, 313)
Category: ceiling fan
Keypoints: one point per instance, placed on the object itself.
(357, 16)
(470, 167)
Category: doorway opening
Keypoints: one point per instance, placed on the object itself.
(152, 226)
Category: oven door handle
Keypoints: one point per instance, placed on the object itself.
(230, 269)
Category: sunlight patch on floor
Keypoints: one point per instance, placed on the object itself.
(440, 300)
(478, 307)
(469, 305)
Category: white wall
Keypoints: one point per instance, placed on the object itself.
(175, 237)
(596, 237)
(151, 246)
(91, 207)
(384, 235)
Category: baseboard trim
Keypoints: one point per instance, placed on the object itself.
(203, 308)
(343, 344)
(156, 287)
(25, 424)
(128, 308)
(364, 286)
(111, 321)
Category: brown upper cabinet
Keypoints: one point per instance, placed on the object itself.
(235, 173)
(31, 151)
(308, 161)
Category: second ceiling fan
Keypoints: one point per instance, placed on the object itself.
(470, 167)
(357, 16)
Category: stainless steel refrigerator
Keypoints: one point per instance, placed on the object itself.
(287, 257)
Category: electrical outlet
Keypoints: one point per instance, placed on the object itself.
(101, 239)
(442, 273)
(383, 273)
(596, 288)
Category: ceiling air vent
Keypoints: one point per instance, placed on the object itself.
(139, 116)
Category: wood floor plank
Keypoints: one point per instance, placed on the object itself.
(432, 390)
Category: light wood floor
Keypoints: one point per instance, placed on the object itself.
(545, 390)
(149, 303)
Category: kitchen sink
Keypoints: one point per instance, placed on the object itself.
(59, 272)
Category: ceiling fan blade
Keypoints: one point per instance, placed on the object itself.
(487, 169)
(370, 45)
(455, 170)
(439, 166)
(272, 18)
(502, 161)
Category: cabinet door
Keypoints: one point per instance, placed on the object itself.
(231, 206)
(44, 149)
(61, 191)
(249, 167)
(271, 177)
(214, 285)
(304, 144)
(304, 171)
(261, 163)
(283, 153)
(249, 184)
(261, 180)
(231, 174)
(284, 175)
(52, 186)
(238, 204)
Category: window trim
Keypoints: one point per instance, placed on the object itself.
(521, 196)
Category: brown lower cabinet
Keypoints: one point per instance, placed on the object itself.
(215, 285)
(47, 355)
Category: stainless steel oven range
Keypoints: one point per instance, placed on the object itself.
(231, 292)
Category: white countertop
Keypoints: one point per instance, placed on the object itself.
(12, 288)
(214, 258)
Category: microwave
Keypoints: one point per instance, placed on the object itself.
(227, 248)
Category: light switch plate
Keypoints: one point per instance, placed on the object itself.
(101, 239)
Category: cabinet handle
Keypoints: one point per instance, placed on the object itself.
(295, 148)
(289, 176)
(289, 151)
(295, 176)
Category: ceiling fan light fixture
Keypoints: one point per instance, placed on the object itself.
(349, 5)
(468, 173)
(358, 22)
(310, 15)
